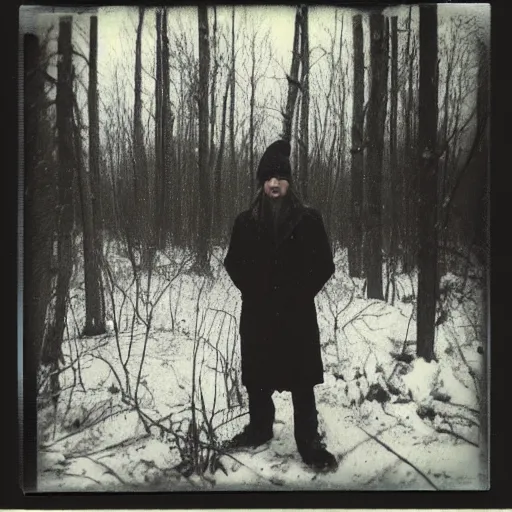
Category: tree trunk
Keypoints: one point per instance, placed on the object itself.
(158, 194)
(357, 165)
(94, 324)
(396, 194)
(427, 254)
(232, 104)
(218, 216)
(178, 200)
(95, 310)
(295, 136)
(204, 189)
(376, 119)
(251, 117)
(408, 177)
(213, 105)
(293, 80)
(94, 136)
(39, 207)
(167, 134)
(67, 170)
(140, 182)
(304, 118)
(396, 206)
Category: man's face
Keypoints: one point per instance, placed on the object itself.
(276, 187)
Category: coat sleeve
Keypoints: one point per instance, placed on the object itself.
(319, 262)
(241, 266)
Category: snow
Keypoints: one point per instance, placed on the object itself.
(421, 379)
(392, 420)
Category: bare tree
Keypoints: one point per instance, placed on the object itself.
(91, 201)
(162, 134)
(94, 323)
(167, 134)
(396, 198)
(293, 80)
(67, 171)
(304, 120)
(38, 235)
(459, 178)
(94, 135)
(427, 254)
(408, 177)
(213, 91)
(204, 195)
(40, 199)
(93, 301)
(258, 51)
(251, 114)
(375, 129)
(157, 200)
(449, 53)
(218, 195)
(233, 94)
(140, 181)
(357, 165)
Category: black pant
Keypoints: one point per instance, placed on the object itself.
(305, 415)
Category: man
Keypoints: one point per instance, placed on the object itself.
(279, 258)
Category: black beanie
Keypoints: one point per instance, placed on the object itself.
(275, 162)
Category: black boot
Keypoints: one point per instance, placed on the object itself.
(315, 455)
(250, 437)
(309, 443)
(260, 428)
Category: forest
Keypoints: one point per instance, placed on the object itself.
(143, 128)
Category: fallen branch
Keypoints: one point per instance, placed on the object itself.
(82, 430)
(121, 444)
(403, 459)
(442, 430)
(108, 469)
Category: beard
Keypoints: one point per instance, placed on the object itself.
(274, 212)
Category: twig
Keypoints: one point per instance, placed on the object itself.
(442, 430)
(108, 469)
(403, 346)
(217, 449)
(78, 356)
(121, 444)
(81, 431)
(358, 315)
(403, 459)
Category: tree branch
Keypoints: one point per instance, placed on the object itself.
(454, 434)
(81, 55)
(403, 459)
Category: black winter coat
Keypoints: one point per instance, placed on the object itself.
(279, 278)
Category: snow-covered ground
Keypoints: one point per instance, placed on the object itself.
(125, 420)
